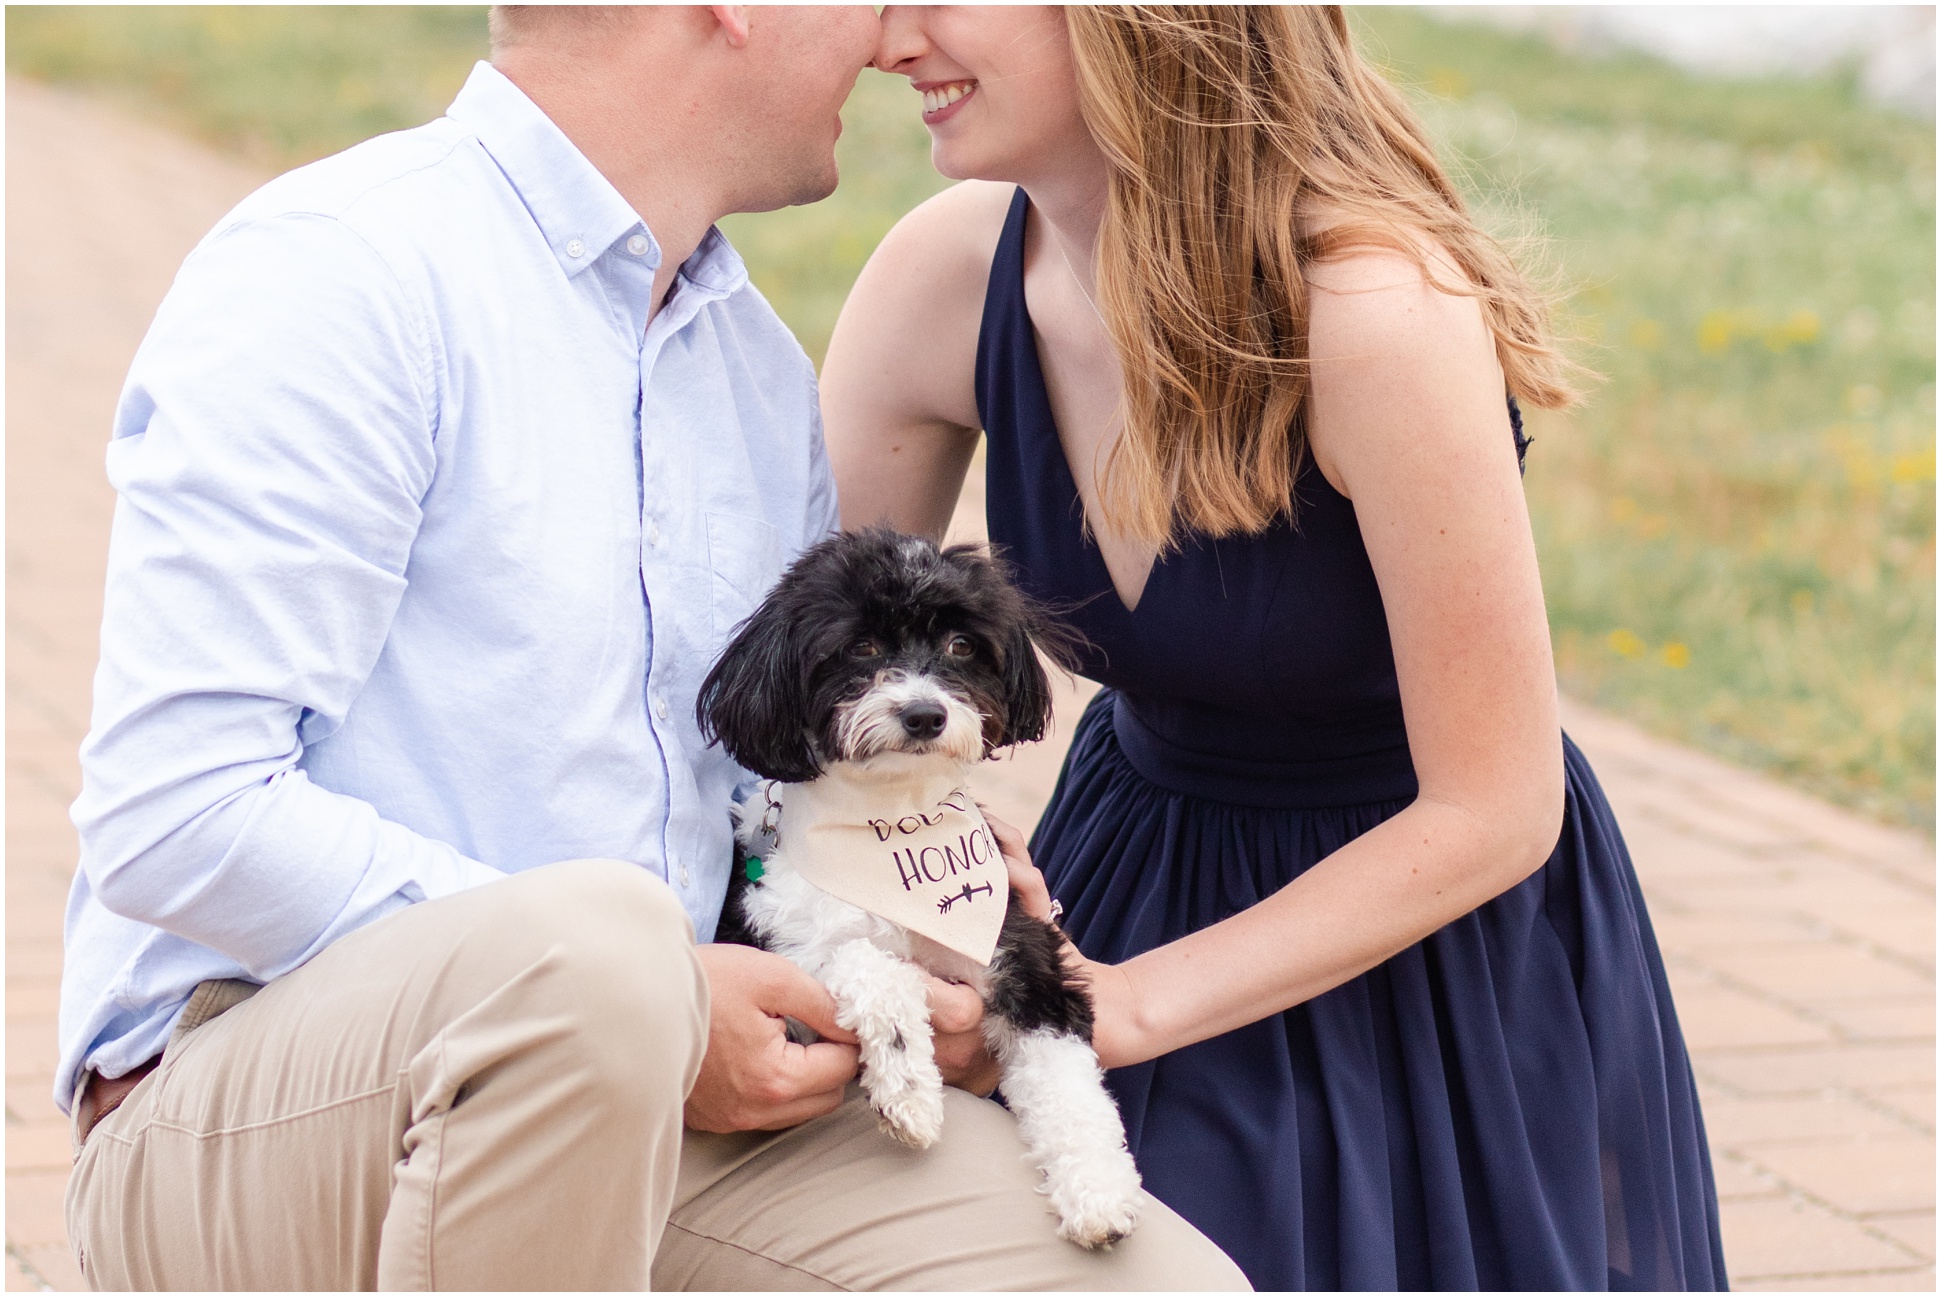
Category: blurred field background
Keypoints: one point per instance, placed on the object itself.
(1737, 529)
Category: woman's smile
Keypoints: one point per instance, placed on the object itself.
(941, 99)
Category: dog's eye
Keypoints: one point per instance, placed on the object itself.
(959, 646)
(865, 648)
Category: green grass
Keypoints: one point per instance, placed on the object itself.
(279, 85)
(1737, 529)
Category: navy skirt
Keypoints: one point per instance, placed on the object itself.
(1505, 1105)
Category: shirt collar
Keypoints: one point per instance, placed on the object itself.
(578, 210)
(715, 268)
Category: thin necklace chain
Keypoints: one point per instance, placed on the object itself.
(1079, 284)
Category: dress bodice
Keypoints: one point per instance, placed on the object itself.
(1254, 669)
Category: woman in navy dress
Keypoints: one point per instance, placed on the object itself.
(1375, 983)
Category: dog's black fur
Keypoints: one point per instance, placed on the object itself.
(772, 699)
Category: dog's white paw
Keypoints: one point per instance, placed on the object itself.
(1072, 1134)
(882, 999)
(1096, 1196)
(912, 1114)
(905, 1087)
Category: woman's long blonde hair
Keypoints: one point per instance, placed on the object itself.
(1227, 128)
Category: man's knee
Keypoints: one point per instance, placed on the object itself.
(600, 947)
(838, 1200)
(619, 933)
(607, 895)
(1163, 1252)
(598, 917)
(1167, 1254)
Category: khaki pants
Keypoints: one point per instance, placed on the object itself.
(485, 1092)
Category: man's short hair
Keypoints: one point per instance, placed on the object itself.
(511, 25)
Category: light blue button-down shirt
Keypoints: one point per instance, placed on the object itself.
(425, 539)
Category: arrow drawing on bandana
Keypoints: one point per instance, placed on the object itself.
(904, 842)
(944, 904)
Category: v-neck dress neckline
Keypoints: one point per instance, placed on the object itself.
(1065, 478)
(1057, 464)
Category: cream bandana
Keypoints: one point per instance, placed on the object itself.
(903, 840)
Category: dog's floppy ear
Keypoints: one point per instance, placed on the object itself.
(1027, 690)
(755, 702)
(1022, 629)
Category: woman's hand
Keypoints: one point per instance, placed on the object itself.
(1118, 1035)
(1026, 881)
(956, 1011)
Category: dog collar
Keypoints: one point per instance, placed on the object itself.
(906, 842)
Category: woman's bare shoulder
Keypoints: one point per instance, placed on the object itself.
(905, 349)
(945, 244)
(1404, 371)
(1367, 296)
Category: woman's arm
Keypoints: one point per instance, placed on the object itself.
(1408, 420)
(899, 409)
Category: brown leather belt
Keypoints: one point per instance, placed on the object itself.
(101, 1095)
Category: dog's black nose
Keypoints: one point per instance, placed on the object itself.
(923, 721)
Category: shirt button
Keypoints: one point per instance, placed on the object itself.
(660, 708)
(574, 248)
(637, 245)
(653, 533)
(686, 879)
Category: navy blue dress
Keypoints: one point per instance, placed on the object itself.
(1505, 1105)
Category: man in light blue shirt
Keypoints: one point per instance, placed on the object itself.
(445, 469)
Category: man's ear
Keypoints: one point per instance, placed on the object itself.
(734, 23)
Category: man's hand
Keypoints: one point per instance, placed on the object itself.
(753, 1076)
(957, 1025)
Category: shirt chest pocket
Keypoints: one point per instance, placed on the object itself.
(745, 557)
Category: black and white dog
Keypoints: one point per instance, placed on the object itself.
(879, 656)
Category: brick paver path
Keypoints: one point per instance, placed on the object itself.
(1800, 938)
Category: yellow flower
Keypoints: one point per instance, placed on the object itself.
(1914, 468)
(1675, 655)
(1715, 332)
(1625, 644)
(1796, 330)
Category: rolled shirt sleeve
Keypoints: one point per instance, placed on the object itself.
(274, 444)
